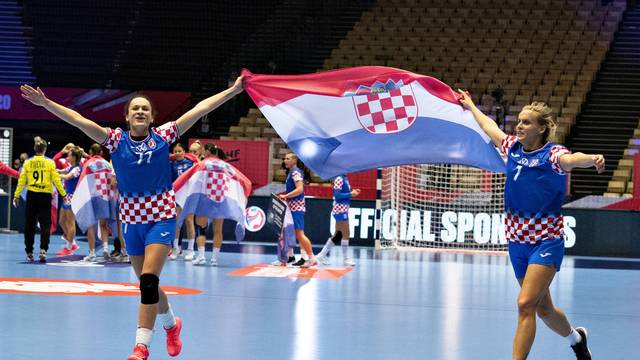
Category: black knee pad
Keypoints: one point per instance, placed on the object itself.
(201, 230)
(149, 290)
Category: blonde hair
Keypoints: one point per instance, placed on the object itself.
(39, 145)
(545, 118)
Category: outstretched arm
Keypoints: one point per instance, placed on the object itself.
(486, 123)
(90, 128)
(580, 160)
(186, 121)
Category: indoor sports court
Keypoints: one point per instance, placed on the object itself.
(319, 179)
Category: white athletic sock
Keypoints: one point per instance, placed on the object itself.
(216, 252)
(573, 337)
(144, 336)
(105, 246)
(201, 250)
(191, 243)
(304, 254)
(344, 244)
(326, 248)
(92, 252)
(168, 320)
(175, 243)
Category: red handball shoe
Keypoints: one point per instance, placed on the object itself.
(140, 352)
(174, 344)
(64, 252)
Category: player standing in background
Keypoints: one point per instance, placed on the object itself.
(39, 174)
(342, 194)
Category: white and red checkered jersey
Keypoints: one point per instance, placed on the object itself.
(147, 208)
(535, 189)
(143, 173)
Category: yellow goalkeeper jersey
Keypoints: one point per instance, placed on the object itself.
(39, 174)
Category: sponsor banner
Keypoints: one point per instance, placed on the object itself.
(276, 213)
(102, 105)
(262, 270)
(79, 287)
(251, 157)
(479, 228)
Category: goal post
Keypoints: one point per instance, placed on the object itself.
(441, 206)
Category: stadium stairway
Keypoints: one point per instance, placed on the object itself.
(612, 109)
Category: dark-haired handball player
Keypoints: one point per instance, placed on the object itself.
(342, 194)
(202, 222)
(67, 218)
(140, 159)
(179, 164)
(534, 191)
(297, 175)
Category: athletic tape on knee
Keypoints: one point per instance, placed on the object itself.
(149, 291)
(201, 230)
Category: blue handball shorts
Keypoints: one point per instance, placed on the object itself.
(298, 220)
(344, 216)
(547, 252)
(138, 236)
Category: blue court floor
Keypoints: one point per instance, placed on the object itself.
(393, 305)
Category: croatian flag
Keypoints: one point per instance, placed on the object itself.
(214, 189)
(349, 120)
(287, 238)
(95, 196)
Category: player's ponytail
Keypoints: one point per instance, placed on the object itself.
(39, 145)
(300, 165)
(216, 151)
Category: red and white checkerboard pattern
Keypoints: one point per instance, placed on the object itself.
(217, 185)
(387, 112)
(296, 205)
(339, 208)
(102, 182)
(554, 157)
(146, 209)
(169, 132)
(112, 140)
(531, 230)
(507, 143)
(337, 183)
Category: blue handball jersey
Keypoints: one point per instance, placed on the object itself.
(341, 195)
(341, 190)
(180, 166)
(534, 192)
(295, 203)
(71, 184)
(143, 172)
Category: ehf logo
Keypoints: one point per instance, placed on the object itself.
(141, 148)
(151, 144)
(254, 218)
(385, 108)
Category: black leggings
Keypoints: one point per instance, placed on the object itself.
(38, 211)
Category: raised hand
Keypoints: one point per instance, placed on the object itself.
(237, 86)
(465, 99)
(35, 96)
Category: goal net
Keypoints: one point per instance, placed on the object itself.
(442, 206)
